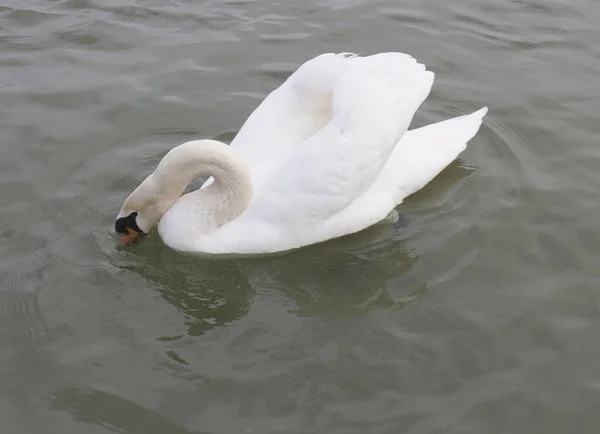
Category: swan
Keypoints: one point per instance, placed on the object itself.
(326, 154)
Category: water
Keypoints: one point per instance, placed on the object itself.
(480, 316)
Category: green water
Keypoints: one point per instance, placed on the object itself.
(480, 316)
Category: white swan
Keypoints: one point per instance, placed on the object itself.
(324, 155)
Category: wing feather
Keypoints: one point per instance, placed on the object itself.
(373, 104)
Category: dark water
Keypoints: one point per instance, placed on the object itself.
(480, 316)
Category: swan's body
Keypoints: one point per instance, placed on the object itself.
(325, 155)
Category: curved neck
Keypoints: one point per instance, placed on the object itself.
(222, 200)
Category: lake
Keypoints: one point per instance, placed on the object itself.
(479, 315)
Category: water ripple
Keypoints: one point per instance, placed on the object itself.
(480, 312)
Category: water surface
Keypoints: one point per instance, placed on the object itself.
(480, 316)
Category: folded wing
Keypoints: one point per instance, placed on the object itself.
(290, 114)
(373, 104)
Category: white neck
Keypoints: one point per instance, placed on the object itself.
(220, 202)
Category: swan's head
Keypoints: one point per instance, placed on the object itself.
(224, 199)
(141, 211)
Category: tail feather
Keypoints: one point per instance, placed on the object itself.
(422, 153)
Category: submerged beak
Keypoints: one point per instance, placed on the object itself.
(129, 237)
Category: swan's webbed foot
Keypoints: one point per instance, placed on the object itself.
(397, 220)
(402, 221)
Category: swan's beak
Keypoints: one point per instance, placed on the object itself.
(129, 237)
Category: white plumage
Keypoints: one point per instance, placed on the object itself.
(326, 154)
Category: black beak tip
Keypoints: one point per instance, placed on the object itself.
(122, 224)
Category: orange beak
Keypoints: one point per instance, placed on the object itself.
(129, 237)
